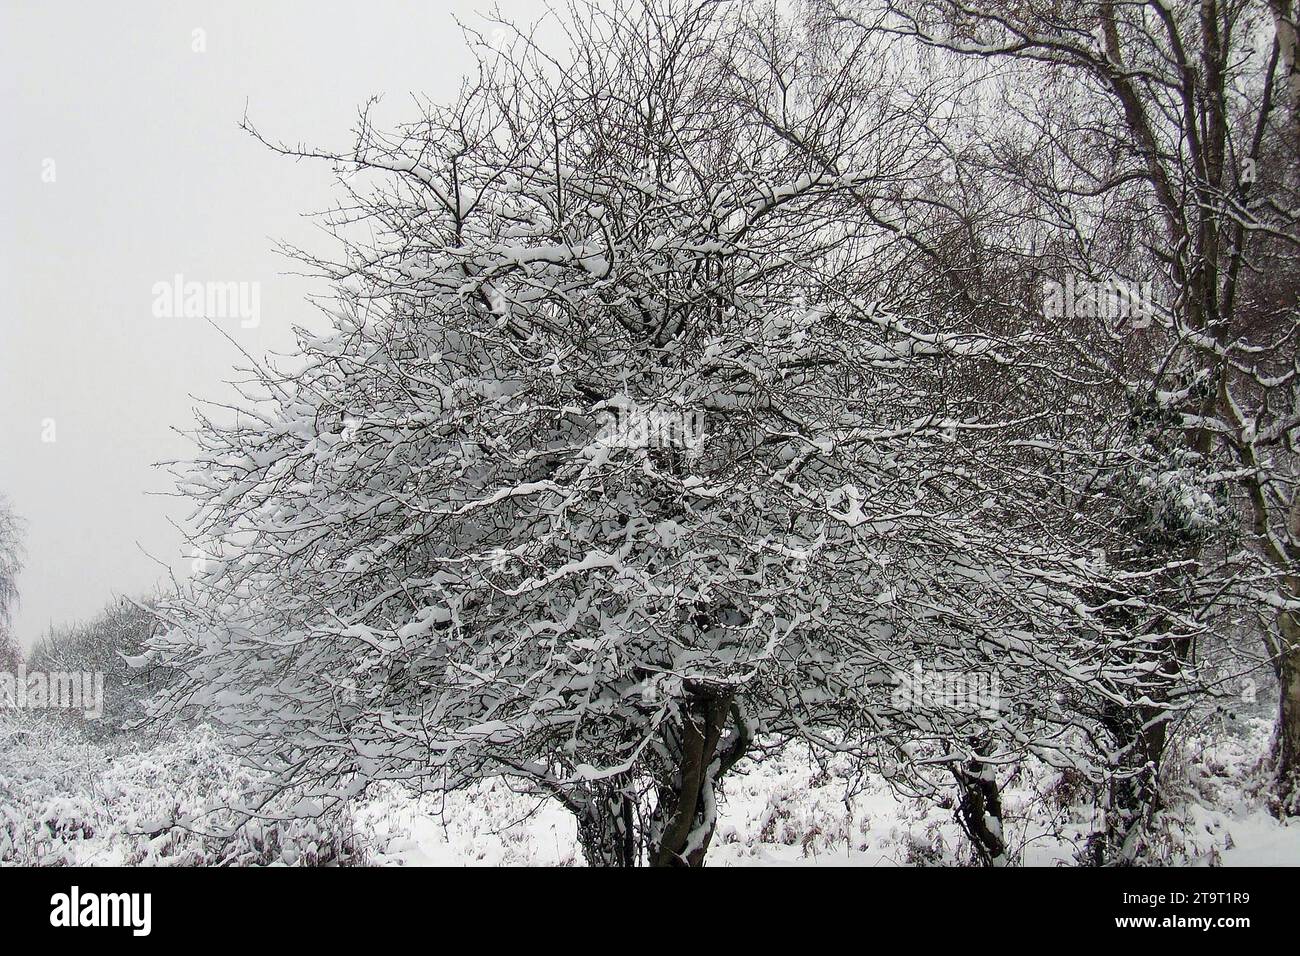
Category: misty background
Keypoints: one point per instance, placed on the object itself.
(125, 166)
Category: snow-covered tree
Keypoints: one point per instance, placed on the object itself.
(640, 431)
(106, 645)
(1156, 142)
(11, 554)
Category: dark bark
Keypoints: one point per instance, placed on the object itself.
(685, 818)
(1288, 723)
(607, 826)
(979, 811)
(611, 829)
(1133, 795)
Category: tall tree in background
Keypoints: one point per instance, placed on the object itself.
(11, 552)
(1163, 140)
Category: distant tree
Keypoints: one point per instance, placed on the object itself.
(11, 554)
(10, 655)
(112, 644)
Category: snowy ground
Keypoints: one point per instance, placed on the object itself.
(63, 803)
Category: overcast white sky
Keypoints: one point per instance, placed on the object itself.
(152, 178)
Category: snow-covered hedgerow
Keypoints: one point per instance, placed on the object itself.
(65, 802)
(69, 801)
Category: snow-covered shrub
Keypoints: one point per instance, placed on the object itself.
(103, 647)
(66, 800)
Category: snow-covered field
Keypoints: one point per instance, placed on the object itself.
(85, 804)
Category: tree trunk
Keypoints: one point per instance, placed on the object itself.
(979, 811)
(686, 817)
(1287, 745)
(1288, 46)
(607, 827)
(1132, 795)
